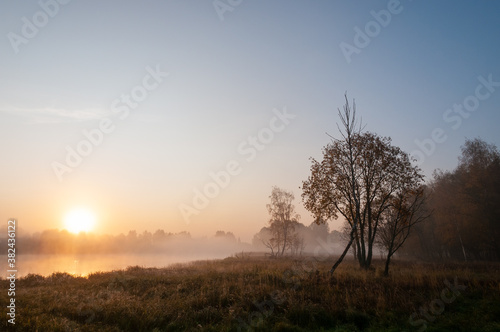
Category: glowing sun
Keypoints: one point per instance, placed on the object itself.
(79, 220)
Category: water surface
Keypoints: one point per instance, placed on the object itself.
(82, 265)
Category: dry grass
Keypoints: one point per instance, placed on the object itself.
(260, 294)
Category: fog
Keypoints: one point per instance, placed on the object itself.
(83, 265)
(80, 254)
(60, 251)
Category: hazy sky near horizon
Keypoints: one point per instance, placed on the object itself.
(173, 91)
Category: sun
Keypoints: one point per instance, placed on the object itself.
(79, 220)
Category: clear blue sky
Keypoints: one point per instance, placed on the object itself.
(228, 68)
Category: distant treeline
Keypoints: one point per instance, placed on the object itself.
(463, 206)
(317, 239)
(62, 242)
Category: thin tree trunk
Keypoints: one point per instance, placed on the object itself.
(370, 254)
(390, 252)
(462, 245)
(341, 258)
(362, 251)
(337, 263)
(349, 125)
(387, 262)
(460, 238)
(285, 231)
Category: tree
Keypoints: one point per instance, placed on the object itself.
(319, 186)
(479, 172)
(449, 227)
(265, 237)
(228, 236)
(319, 231)
(465, 205)
(404, 211)
(159, 236)
(282, 222)
(297, 244)
(466, 202)
(358, 178)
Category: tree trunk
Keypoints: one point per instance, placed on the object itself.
(387, 262)
(462, 245)
(390, 252)
(370, 254)
(337, 263)
(284, 238)
(362, 251)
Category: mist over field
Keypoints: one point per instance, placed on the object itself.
(80, 254)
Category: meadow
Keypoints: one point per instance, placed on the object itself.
(253, 293)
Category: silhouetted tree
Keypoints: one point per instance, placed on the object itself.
(297, 244)
(467, 203)
(319, 230)
(357, 178)
(271, 239)
(283, 220)
(229, 236)
(159, 236)
(405, 210)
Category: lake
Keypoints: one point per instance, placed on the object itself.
(83, 265)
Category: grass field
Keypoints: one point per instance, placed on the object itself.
(262, 294)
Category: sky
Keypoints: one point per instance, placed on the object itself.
(182, 115)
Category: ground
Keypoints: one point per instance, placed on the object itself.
(263, 294)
